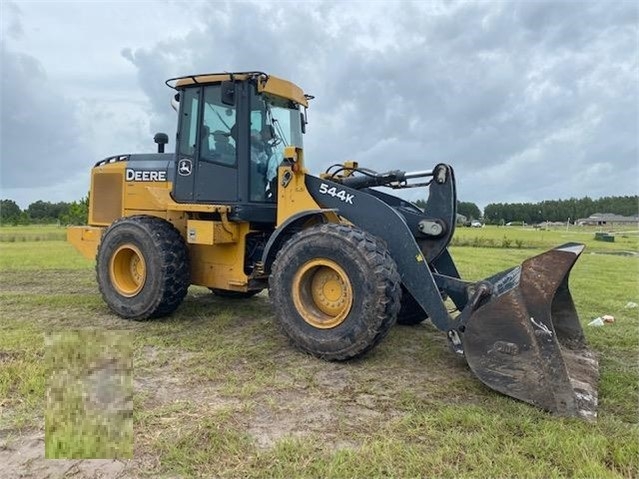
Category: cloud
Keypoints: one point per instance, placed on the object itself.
(41, 137)
(528, 101)
(523, 99)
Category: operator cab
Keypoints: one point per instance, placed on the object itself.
(232, 131)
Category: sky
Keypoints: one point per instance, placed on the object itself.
(528, 100)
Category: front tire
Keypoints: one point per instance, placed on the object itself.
(335, 290)
(142, 267)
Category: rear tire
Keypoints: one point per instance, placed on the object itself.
(142, 267)
(410, 313)
(335, 290)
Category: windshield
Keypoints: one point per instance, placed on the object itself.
(287, 123)
(284, 118)
(275, 124)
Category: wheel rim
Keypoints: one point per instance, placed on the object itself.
(322, 293)
(128, 270)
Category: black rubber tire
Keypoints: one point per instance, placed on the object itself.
(410, 313)
(223, 293)
(167, 267)
(375, 285)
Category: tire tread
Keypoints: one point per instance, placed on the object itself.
(174, 263)
(385, 279)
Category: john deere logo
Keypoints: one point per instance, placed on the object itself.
(185, 167)
(145, 175)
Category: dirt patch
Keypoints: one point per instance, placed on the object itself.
(24, 457)
(336, 379)
(291, 414)
(165, 388)
(160, 379)
(325, 404)
(7, 357)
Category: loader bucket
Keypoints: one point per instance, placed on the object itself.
(526, 341)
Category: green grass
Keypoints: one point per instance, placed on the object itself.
(516, 237)
(31, 233)
(40, 255)
(219, 392)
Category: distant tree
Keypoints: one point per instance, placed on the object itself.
(494, 214)
(60, 209)
(40, 211)
(9, 212)
(47, 212)
(470, 210)
(24, 218)
(560, 210)
(420, 204)
(77, 213)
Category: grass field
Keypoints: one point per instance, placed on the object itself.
(219, 392)
(626, 239)
(31, 233)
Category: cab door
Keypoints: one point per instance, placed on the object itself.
(186, 154)
(207, 160)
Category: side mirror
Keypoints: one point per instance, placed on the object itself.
(161, 139)
(175, 102)
(303, 122)
(228, 93)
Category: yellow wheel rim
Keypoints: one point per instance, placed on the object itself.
(322, 293)
(128, 270)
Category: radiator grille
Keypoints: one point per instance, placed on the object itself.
(106, 198)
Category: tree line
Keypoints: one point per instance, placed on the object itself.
(76, 212)
(560, 210)
(45, 212)
(549, 210)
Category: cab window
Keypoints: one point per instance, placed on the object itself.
(218, 135)
(188, 125)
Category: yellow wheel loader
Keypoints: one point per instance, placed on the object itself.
(235, 210)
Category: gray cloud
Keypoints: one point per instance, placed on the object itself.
(528, 101)
(41, 137)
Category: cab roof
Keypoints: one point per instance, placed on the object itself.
(265, 83)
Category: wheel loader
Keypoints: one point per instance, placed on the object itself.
(234, 209)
